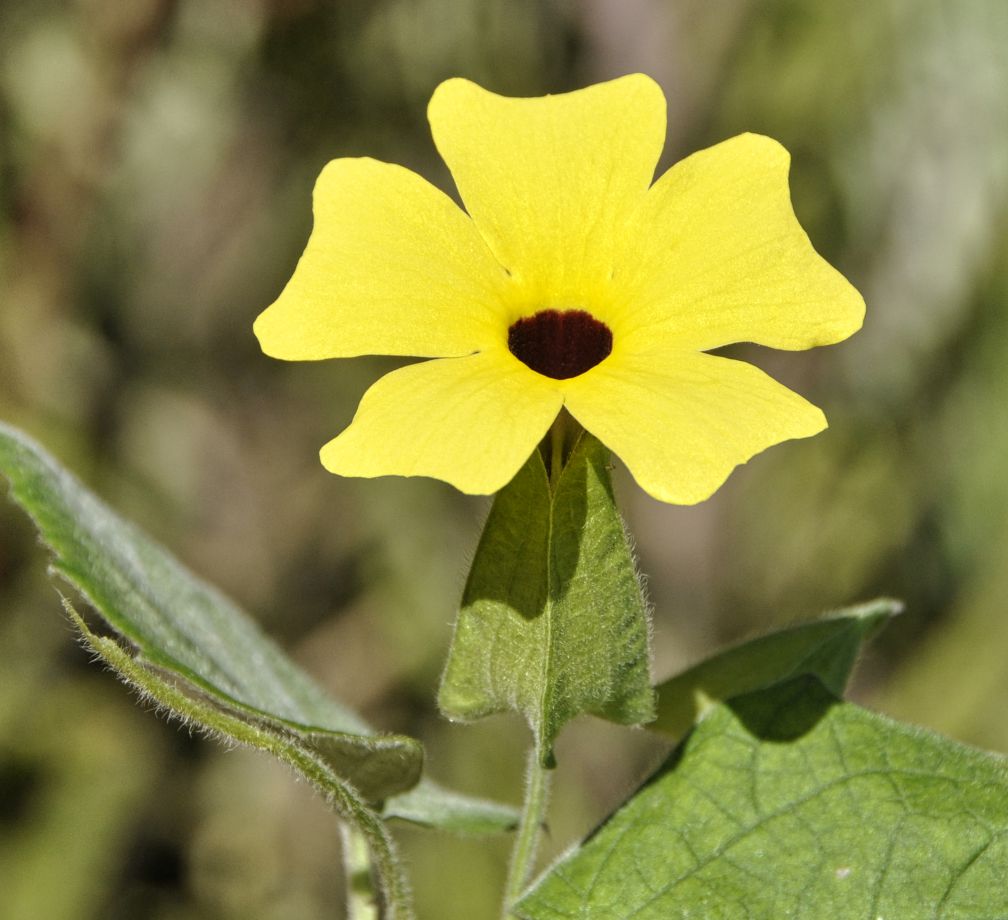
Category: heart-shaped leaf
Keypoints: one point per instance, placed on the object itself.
(787, 803)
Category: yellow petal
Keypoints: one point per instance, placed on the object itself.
(393, 267)
(682, 421)
(716, 255)
(550, 181)
(470, 421)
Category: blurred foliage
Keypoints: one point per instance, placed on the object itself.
(156, 163)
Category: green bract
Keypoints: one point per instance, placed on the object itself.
(552, 623)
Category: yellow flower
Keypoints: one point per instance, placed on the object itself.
(571, 282)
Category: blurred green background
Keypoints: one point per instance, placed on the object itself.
(156, 165)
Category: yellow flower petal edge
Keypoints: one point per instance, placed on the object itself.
(717, 256)
(574, 282)
(471, 422)
(550, 181)
(684, 421)
(392, 267)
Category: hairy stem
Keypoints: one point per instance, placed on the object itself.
(362, 899)
(526, 842)
(392, 887)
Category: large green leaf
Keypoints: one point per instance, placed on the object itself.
(827, 648)
(185, 628)
(552, 621)
(192, 650)
(787, 804)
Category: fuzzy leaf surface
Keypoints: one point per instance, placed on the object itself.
(552, 622)
(195, 652)
(180, 625)
(827, 648)
(787, 803)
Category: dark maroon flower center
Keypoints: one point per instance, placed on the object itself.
(560, 343)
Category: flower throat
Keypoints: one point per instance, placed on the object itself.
(560, 343)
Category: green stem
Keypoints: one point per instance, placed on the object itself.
(526, 842)
(342, 798)
(362, 899)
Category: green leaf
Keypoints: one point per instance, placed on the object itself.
(827, 648)
(339, 794)
(193, 651)
(429, 805)
(787, 803)
(183, 627)
(552, 622)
